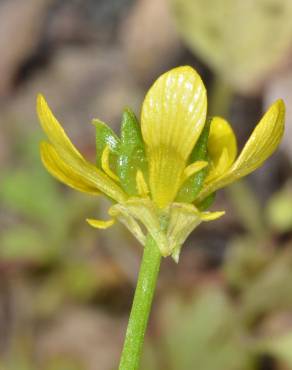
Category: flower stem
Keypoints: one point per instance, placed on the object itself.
(131, 354)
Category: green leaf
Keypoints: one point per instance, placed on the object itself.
(81, 279)
(62, 362)
(16, 193)
(278, 210)
(23, 243)
(132, 152)
(279, 346)
(202, 332)
(240, 59)
(105, 136)
(193, 185)
(207, 202)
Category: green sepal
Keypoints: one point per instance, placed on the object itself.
(207, 202)
(192, 186)
(106, 136)
(132, 152)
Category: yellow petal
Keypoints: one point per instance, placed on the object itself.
(64, 173)
(77, 166)
(222, 147)
(54, 130)
(211, 216)
(100, 224)
(173, 116)
(141, 184)
(261, 145)
(193, 168)
(105, 164)
(263, 141)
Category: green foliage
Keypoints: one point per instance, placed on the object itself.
(226, 325)
(242, 41)
(132, 152)
(127, 155)
(42, 214)
(16, 192)
(24, 243)
(193, 185)
(212, 329)
(279, 346)
(64, 363)
(106, 136)
(42, 229)
(21, 360)
(279, 214)
(80, 279)
(247, 207)
(270, 288)
(207, 202)
(201, 332)
(245, 259)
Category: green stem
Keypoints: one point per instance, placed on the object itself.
(131, 354)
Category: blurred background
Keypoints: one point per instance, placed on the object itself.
(66, 289)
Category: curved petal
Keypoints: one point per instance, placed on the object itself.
(173, 116)
(222, 148)
(54, 130)
(141, 184)
(72, 165)
(261, 145)
(193, 168)
(100, 224)
(64, 173)
(105, 164)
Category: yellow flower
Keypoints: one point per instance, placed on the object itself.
(163, 173)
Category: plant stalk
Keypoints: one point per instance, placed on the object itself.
(132, 350)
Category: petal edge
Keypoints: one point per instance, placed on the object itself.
(173, 116)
